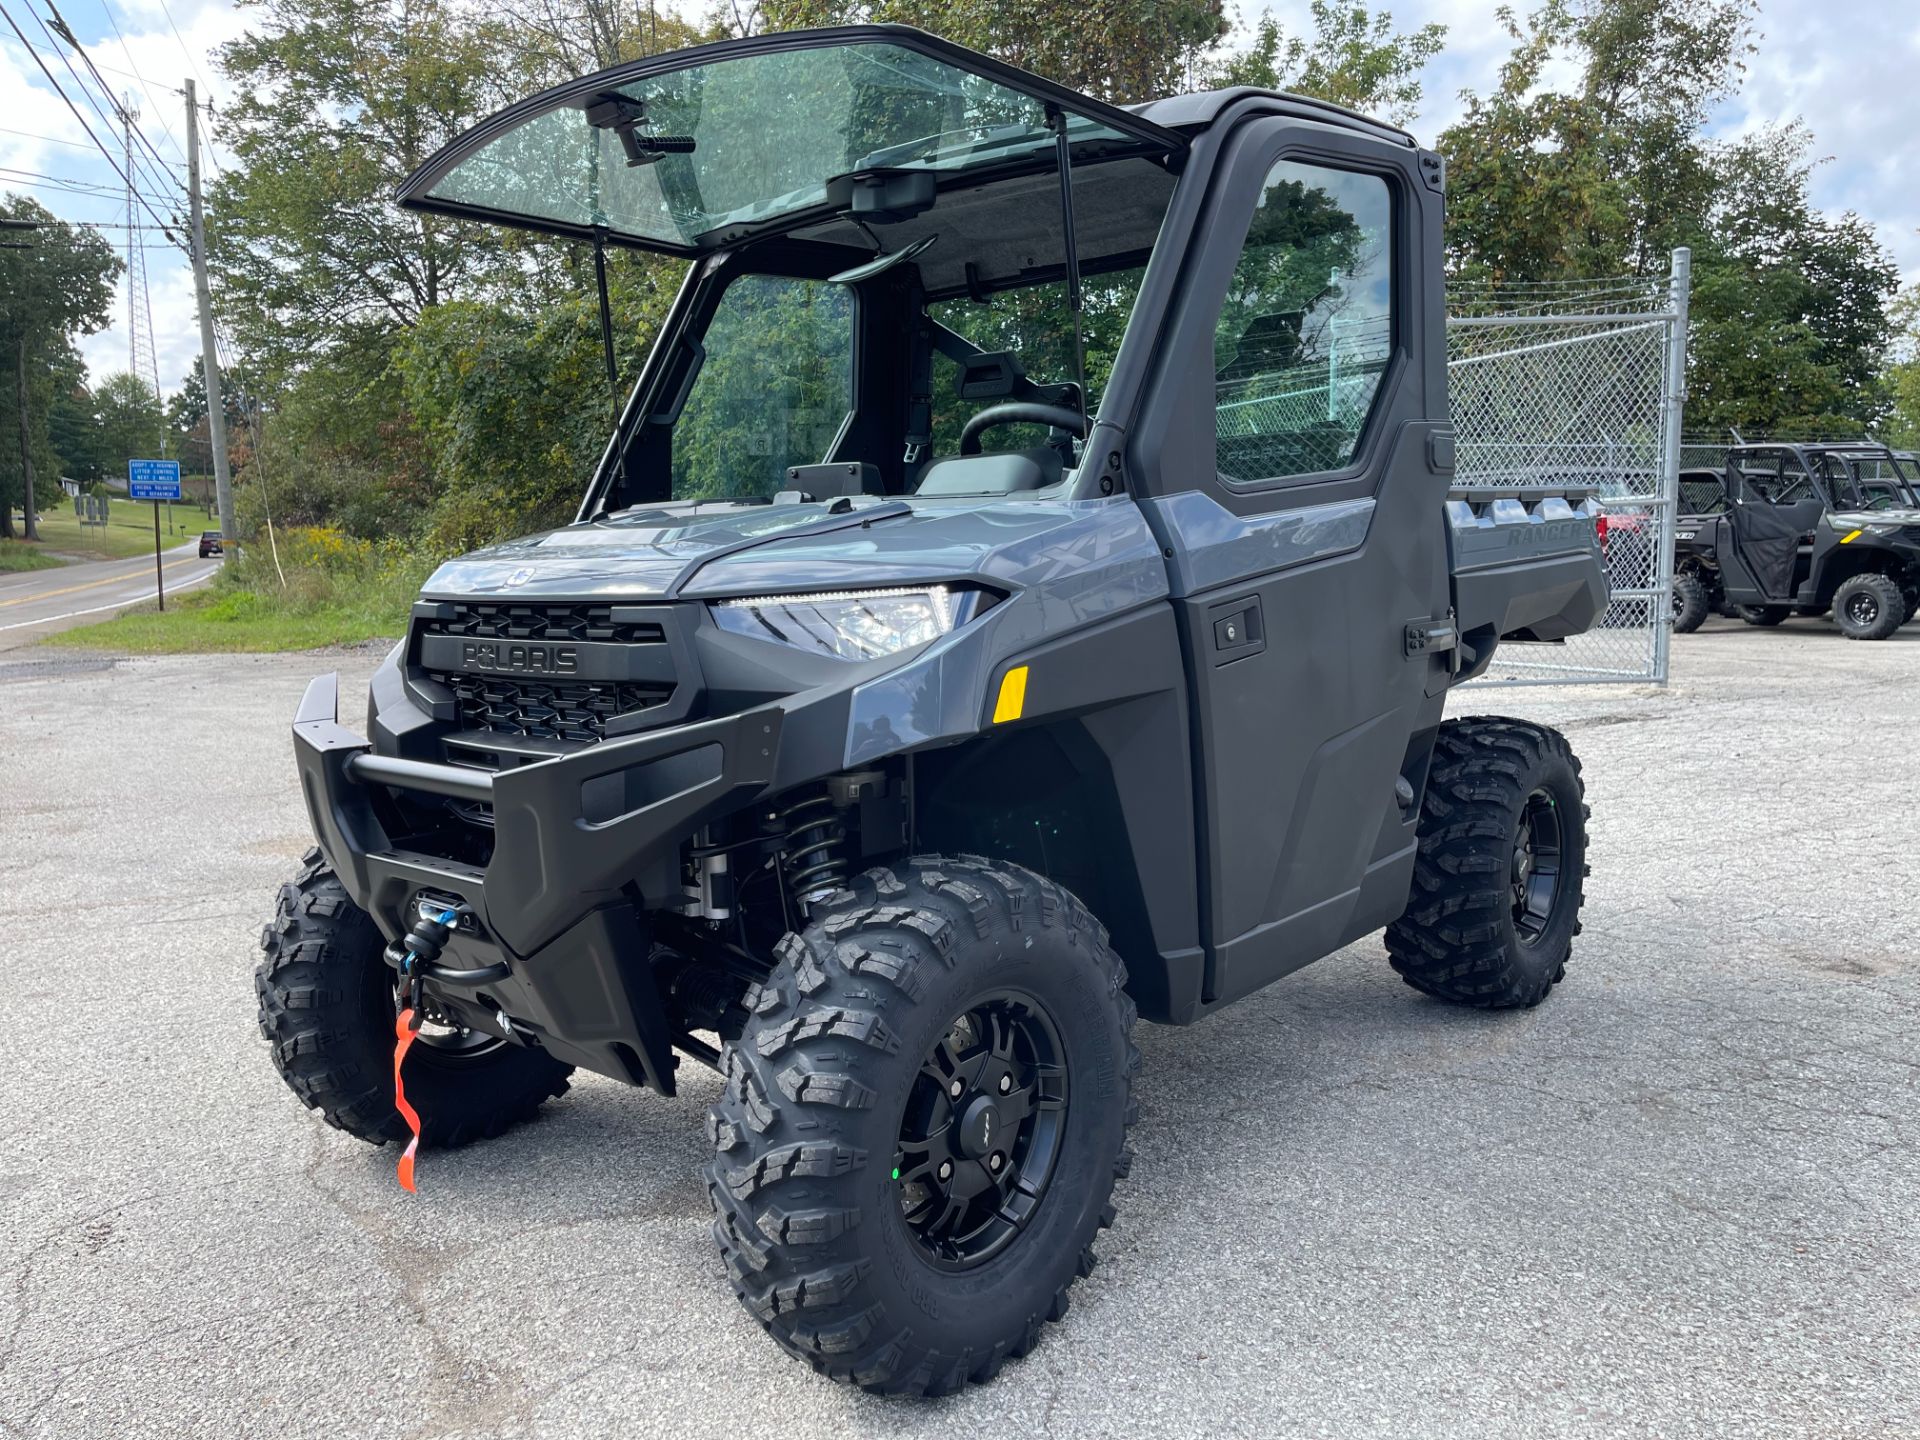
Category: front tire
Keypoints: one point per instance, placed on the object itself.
(1500, 876)
(1691, 603)
(327, 1008)
(1869, 607)
(923, 1120)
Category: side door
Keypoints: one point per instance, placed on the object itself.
(1290, 459)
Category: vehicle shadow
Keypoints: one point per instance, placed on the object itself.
(1820, 626)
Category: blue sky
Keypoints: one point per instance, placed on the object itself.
(1850, 68)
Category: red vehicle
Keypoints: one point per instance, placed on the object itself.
(210, 544)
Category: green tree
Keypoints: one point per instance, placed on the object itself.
(1599, 176)
(1354, 58)
(73, 425)
(336, 102)
(1791, 323)
(512, 408)
(56, 285)
(1605, 174)
(1903, 374)
(133, 425)
(1126, 51)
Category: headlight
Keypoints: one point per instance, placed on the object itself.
(847, 624)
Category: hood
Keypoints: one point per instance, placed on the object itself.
(1861, 519)
(640, 554)
(714, 550)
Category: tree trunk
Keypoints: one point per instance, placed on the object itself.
(26, 448)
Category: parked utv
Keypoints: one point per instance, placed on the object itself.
(1800, 529)
(890, 772)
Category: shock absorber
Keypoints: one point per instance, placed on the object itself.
(815, 861)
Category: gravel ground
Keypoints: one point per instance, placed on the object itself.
(1678, 1199)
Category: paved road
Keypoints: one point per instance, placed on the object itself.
(36, 603)
(1678, 1199)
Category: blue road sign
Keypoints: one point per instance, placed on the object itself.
(153, 479)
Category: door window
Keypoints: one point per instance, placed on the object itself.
(1306, 331)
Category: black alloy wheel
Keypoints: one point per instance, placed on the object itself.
(1501, 871)
(444, 1040)
(1538, 843)
(922, 1121)
(1869, 607)
(980, 1136)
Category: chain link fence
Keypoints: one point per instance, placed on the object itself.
(1578, 384)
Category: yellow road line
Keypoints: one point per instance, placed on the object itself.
(181, 588)
(134, 576)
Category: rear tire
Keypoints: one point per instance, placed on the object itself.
(1869, 607)
(326, 1006)
(1765, 616)
(1500, 878)
(839, 1231)
(1691, 603)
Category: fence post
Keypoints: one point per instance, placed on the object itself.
(1679, 287)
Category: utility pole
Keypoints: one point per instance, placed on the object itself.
(27, 513)
(209, 353)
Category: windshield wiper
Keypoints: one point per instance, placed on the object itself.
(928, 149)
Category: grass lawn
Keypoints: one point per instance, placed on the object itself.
(17, 555)
(128, 531)
(221, 620)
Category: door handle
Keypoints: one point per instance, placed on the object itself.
(1238, 628)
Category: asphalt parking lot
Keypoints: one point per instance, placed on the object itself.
(1678, 1199)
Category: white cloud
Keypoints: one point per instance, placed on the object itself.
(40, 134)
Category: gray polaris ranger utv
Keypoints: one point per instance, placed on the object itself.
(1020, 593)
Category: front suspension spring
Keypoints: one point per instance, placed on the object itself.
(815, 859)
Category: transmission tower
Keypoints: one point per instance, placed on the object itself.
(141, 359)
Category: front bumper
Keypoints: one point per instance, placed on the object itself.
(560, 937)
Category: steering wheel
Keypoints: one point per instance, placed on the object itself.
(1020, 412)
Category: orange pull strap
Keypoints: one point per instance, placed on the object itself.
(404, 1031)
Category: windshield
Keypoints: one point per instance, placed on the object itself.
(675, 159)
(775, 384)
(1867, 482)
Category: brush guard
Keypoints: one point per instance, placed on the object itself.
(556, 953)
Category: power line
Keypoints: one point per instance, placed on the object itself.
(198, 74)
(213, 153)
(98, 225)
(192, 64)
(63, 180)
(159, 111)
(83, 188)
(47, 139)
(105, 153)
(120, 111)
(109, 117)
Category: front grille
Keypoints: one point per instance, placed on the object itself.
(540, 622)
(587, 671)
(545, 710)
